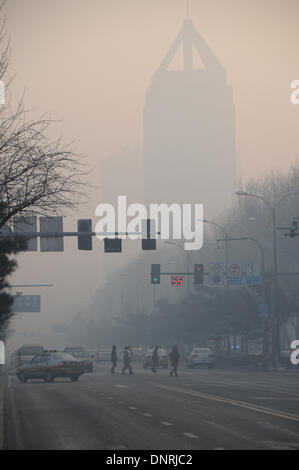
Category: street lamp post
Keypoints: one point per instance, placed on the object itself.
(265, 322)
(276, 313)
(226, 235)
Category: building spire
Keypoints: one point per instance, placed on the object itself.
(187, 8)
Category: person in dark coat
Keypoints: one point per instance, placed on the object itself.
(113, 359)
(174, 359)
(127, 360)
(155, 358)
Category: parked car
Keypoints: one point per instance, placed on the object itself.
(50, 365)
(201, 357)
(162, 355)
(78, 352)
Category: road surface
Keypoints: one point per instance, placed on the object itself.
(200, 409)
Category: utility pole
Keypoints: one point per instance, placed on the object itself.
(275, 311)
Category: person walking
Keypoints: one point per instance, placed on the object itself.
(155, 358)
(113, 359)
(127, 360)
(174, 358)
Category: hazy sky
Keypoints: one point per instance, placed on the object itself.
(89, 64)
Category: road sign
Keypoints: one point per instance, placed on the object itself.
(216, 274)
(52, 225)
(23, 226)
(253, 276)
(263, 310)
(234, 275)
(26, 303)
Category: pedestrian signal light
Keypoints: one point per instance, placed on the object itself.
(198, 273)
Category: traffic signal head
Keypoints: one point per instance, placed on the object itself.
(113, 245)
(155, 274)
(84, 242)
(198, 273)
(148, 227)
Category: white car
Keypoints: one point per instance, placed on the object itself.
(201, 357)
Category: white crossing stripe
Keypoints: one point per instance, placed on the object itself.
(189, 434)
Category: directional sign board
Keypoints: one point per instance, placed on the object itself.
(26, 303)
(52, 225)
(23, 226)
(234, 275)
(253, 276)
(216, 274)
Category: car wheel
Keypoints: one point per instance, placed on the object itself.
(49, 377)
(74, 378)
(22, 378)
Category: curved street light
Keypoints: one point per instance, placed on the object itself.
(276, 315)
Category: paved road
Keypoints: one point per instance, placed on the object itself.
(201, 409)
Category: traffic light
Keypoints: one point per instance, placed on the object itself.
(113, 245)
(198, 273)
(84, 242)
(148, 243)
(155, 274)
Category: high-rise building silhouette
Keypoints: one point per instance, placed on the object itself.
(189, 129)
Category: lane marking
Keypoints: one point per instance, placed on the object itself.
(147, 414)
(120, 402)
(230, 401)
(116, 447)
(190, 435)
(121, 386)
(133, 408)
(166, 423)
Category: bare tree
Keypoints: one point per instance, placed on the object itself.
(37, 175)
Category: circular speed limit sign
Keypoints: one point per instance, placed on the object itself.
(234, 270)
(216, 268)
(216, 274)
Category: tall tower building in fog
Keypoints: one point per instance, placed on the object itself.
(189, 129)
